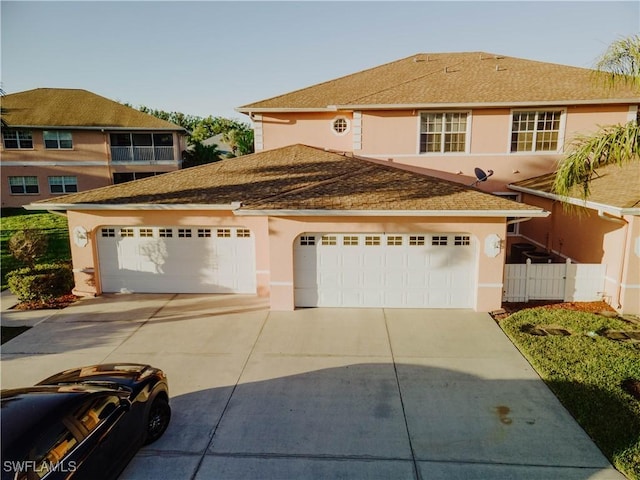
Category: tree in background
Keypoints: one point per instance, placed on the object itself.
(240, 140)
(238, 135)
(613, 145)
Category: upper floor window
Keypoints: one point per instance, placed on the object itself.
(66, 184)
(23, 185)
(57, 139)
(17, 139)
(443, 132)
(340, 126)
(533, 131)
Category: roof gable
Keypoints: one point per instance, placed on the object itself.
(60, 107)
(451, 78)
(296, 177)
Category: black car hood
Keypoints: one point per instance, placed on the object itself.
(120, 373)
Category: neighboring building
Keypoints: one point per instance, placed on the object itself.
(301, 225)
(60, 141)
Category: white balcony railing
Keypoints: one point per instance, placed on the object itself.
(141, 154)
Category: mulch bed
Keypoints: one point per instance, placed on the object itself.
(53, 304)
(509, 308)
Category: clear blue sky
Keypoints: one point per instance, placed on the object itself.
(208, 57)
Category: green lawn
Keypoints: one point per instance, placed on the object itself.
(16, 219)
(586, 372)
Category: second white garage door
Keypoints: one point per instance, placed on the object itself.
(385, 270)
(169, 259)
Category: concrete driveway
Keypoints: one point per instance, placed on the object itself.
(319, 393)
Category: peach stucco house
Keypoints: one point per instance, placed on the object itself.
(298, 224)
(363, 192)
(61, 141)
(450, 113)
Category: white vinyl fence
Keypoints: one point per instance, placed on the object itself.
(569, 282)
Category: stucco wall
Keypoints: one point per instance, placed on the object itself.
(394, 135)
(584, 237)
(274, 240)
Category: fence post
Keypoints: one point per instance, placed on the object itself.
(526, 280)
(567, 283)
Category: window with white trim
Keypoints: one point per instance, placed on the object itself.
(535, 131)
(443, 132)
(340, 125)
(55, 139)
(23, 185)
(64, 184)
(17, 139)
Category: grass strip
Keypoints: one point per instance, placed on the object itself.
(587, 372)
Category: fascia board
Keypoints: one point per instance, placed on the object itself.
(395, 213)
(577, 201)
(132, 206)
(418, 106)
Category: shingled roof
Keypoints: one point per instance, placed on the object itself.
(473, 78)
(296, 178)
(612, 186)
(68, 108)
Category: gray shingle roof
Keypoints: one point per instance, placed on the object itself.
(452, 78)
(297, 177)
(61, 107)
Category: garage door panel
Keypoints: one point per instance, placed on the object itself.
(176, 259)
(388, 270)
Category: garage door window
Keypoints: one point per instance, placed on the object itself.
(307, 240)
(329, 240)
(439, 241)
(462, 240)
(184, 233)
(224, 233)
(372, 240)
(126, 232)
(146, 232)
(204, 232)
(350, 241)
(108, 232)
(416, 240)
(394, 240)
(243, 233)
(166, 232)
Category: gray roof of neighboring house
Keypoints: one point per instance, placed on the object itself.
(62, 107)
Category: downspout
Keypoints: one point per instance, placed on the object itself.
(619, 221)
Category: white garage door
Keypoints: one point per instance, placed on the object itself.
(169, 259)
(385, 270)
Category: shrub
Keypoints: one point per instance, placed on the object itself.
(41, 282)
(27, 246)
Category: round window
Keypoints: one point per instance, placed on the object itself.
(340, 125)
